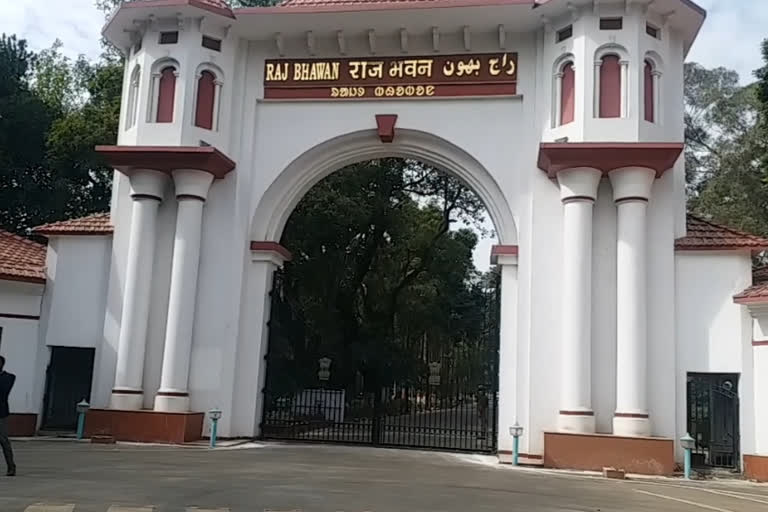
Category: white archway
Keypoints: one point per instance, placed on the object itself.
(283, 195)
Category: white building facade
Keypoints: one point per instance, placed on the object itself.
(567, 123)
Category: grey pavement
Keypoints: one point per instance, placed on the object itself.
(82, 477)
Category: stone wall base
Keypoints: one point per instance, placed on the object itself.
(22, 424)
(593, 452)
(756, 467)
(145, 426)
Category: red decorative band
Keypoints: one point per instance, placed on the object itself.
(523, 455)
(632, 199)
(630, 415)
(578, 199)
(271, 247)
(20, 317)
(182, 197)
(127, 392)
(576, 413)
(762, 343)
(173, 393)
(146, 196)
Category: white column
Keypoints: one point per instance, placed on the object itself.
(631, 190)
(624, 88)
(216, 104)
(509, 413)
(558, 101)
(578, 191)
(596, 89)
(656, 74)
(147, 192)
(191, 191)
(154, 92)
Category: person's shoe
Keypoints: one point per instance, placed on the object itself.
(11, 471)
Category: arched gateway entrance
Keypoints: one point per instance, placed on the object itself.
(231, 115)
(437, 394)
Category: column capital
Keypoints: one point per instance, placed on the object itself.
(579, 184)
(146, 183)
(192, 184)
(269, 252)
(504, 255)
(632, 183)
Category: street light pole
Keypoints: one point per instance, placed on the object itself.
(516, 431)
(687, 443)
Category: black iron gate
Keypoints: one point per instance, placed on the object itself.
(450, 404)
(713, 419)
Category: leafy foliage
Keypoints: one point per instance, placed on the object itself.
(52, 113)
(725, 149)
(380, 283)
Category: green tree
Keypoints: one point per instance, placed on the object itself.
(724, 149)
(380, 282)
(24, 122)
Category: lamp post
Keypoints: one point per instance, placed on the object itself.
(215, 415)
(687, 443)
(82, 407)
(516, 431)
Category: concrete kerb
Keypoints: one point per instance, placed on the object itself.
(492, 462)
(227, 444)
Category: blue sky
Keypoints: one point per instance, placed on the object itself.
(731, 37)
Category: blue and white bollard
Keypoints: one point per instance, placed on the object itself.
(215, 415)
(81, 408)
(516, 431)
(688, 443)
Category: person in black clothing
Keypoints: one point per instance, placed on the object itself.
(6, 384)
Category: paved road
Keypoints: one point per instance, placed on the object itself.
(323, 478)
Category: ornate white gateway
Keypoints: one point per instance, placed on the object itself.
(564, 116)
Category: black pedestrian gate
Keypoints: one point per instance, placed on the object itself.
(713, 419)
(450, 405)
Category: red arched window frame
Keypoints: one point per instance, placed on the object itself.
(166, 95)
(206, 98)
(610, 87)
(568, 94)
(650, 100)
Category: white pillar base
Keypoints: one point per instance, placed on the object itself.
(129, 401)
(578, 423)
(171, 403)
(631, 427)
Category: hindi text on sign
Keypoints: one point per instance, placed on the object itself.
(457, 75)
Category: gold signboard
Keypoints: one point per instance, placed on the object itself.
(391, 77)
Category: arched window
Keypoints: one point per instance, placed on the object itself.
(567, 94)
(166, 95)
(133, 97)
(649, 93)
(610, 87)
(206, 100)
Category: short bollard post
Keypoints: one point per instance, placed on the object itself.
(81, 408)
(516, 431)
(215, 415)
(688, 443)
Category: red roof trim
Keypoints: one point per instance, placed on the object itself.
(167, 158)
(98, 224)
(5, 276)
(290, 7)
(608, 156)
(703, 235)
(200, 4)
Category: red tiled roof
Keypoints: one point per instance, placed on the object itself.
(96, 224)
(703, 235)
(21, 259)
(758, 292)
